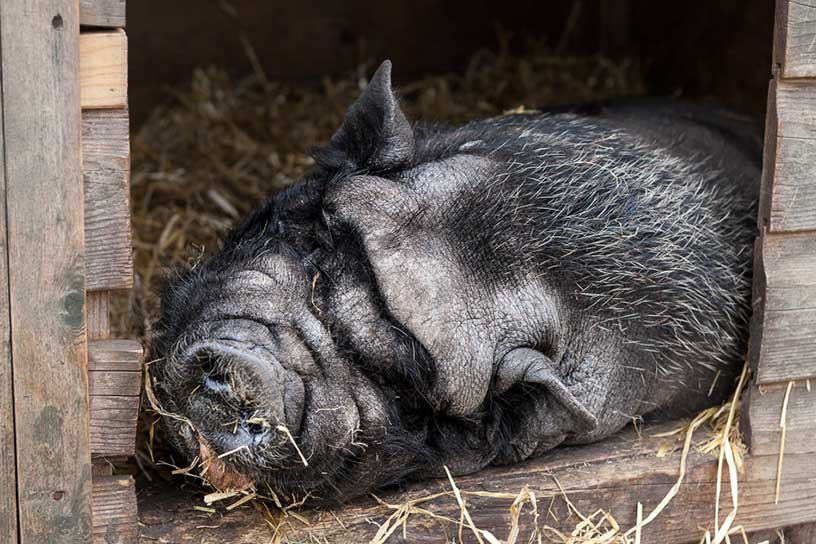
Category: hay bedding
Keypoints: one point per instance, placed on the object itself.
(222, 146)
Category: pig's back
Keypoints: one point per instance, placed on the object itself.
(729, 142)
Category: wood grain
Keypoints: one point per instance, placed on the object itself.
(768, 158)
(106, 171)
(114, 510)
(784, 328)
(764, 412)
(97, 313)
(103, 69)
(115, 355)
(113, 425)
(41, 111)
(101, 468)
(594, 480)
(8, 472)
(108, 383)
(115, 386)
(108, 13)
(789, 188)
(795, 38)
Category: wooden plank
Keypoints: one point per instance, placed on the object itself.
(109, 13)
(764, 413)
(115, 355)
(103, 69)
(8, 473)
(115, 385)
(768, 158)
(97, 315)
(113, 425)
(789, 186)
(41, 110)
(101, 468)
(106, 171)
(795, 38)
(615, 484)
(783, 345)
(114, 509)
(790, 270)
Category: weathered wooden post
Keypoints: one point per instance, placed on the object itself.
(44, 288)
(69, 394)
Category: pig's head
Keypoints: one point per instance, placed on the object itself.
(248, 374)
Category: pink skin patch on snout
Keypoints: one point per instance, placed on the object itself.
(216, 473)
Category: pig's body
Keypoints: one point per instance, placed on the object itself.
(466, 296)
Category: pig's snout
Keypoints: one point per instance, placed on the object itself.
(249, 393)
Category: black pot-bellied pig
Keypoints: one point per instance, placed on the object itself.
(461, 296)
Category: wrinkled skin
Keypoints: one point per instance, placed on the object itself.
(466, 296)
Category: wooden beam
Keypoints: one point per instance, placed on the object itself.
(789, 188)
(114, 356)
(114, 509)
(607, 475)
(768, 158)
(98, 313)
(108, 13)
(8, 472)
(113, 425)
(106, 171)
(41, 112)
(795, 38)
(103, 69)
(764, 405)
(115, 384)
(783, 344)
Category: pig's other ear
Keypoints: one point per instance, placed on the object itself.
(531, 366)
(375, 135)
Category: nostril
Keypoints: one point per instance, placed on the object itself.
(255, 425)
(214, 377)
(216, 383)
(256, 428)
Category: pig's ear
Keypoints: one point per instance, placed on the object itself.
(532, 366)
(375, 135)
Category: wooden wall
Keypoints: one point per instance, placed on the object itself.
(43, 304)
(702, 49)
(64, 246)
(781, 421)
(114, 365)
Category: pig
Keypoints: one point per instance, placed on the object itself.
(460, 296)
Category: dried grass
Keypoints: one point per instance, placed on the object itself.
(783, 426)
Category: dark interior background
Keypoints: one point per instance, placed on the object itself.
(706, 50)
